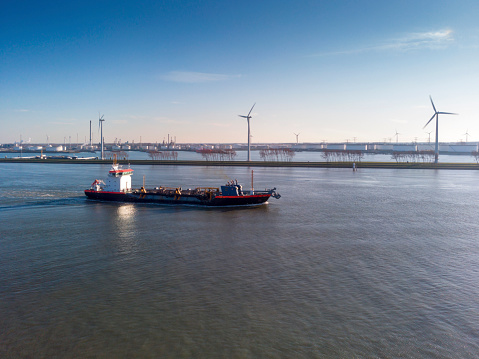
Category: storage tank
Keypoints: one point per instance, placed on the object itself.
(404, 148)
(336, 147)
(425, 147)
(54, 149)
(444, 148)
(463, 148)
(356, 147)
(384, 147)
(314, 146)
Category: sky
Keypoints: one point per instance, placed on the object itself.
(334, 71)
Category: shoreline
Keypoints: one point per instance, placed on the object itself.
(359, 165)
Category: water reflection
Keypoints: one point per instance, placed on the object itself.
(126, 228)
(126, 212)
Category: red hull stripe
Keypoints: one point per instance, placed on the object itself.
(253, 196)
(92, 191)
(120, 171)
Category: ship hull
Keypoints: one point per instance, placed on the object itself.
(215, 200)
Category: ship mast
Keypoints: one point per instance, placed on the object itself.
(252, 187)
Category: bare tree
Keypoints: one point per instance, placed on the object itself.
(120, 155)
(343, 156)
(277, 154)
(475, 154)
(413, 156)
(163, 155)
(218, 154)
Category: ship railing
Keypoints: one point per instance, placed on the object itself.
(165, 191)
(174, 191)
(207, 189)
(258, 191)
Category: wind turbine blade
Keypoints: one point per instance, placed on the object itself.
(432, 103)
(251, 109)
(429, 121)
(447, 113)
(243, 116)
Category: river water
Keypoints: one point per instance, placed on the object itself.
(368, 264)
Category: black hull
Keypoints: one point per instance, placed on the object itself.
(215, 201)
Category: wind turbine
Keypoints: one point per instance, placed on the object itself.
(397, 134)
(429, 133)
(296, 134)
(100, 124)
(436, 114)
(249, 135)
(467, 134)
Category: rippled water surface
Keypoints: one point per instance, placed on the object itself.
(367, 264)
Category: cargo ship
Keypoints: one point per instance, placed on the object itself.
(117, 187)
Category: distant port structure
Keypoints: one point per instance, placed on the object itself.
(334, 151)
(333, 155)
(450, 148)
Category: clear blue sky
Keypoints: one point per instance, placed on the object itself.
(329, 70)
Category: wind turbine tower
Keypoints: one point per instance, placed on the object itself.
(248, 117)
(297, 135)
(100, 123)
(429, 133)
(436, 114)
